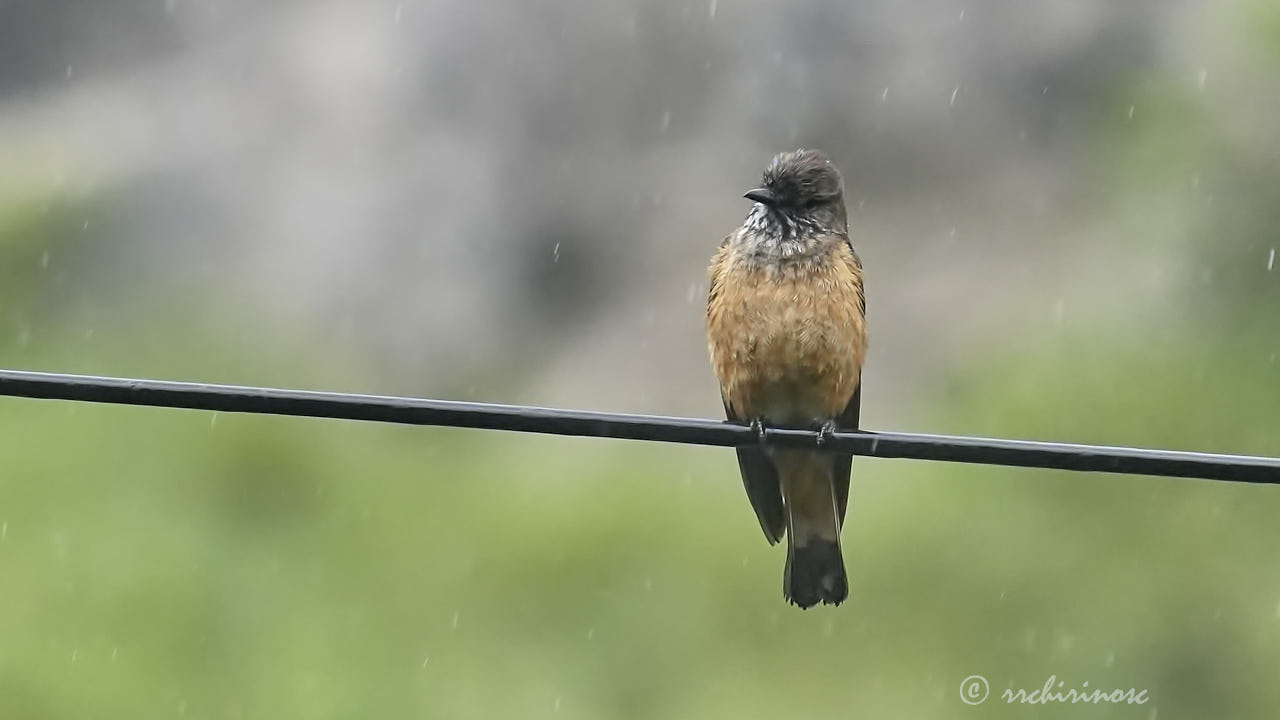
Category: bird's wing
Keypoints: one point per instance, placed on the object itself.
(847, 420)
(759, 476)
(857, 263)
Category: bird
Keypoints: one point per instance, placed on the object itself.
(787, 336)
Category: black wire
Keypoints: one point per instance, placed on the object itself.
(413, 411)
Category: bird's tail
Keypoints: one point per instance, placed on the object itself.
(815, 573)
(815, 569)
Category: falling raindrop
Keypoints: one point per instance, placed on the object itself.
(884, 94)
(426, 660)
(556, 707)
(591, 633)
(1271, 259)
(213, 420)
(1131, 109)
(399, 11)
(555, 254)
(455, 620)
(961, 14)
(711, 9)
(1204, 76)
(44, 260)
(666, 121)
(4, 530)
(954, 93)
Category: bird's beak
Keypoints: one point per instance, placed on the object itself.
(761, 195)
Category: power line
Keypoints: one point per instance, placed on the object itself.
(519, 418)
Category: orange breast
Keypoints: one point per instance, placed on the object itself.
(787, 340)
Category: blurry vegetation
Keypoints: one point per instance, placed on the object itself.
(210, 565)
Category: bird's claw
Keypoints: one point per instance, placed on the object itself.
(757, 426)
(825, 432)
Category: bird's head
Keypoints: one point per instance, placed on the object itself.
(799, 181)
(799, 202)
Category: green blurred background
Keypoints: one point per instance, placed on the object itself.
(1068, 213)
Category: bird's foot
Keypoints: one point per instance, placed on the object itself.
(825, 432)
(757, 426)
